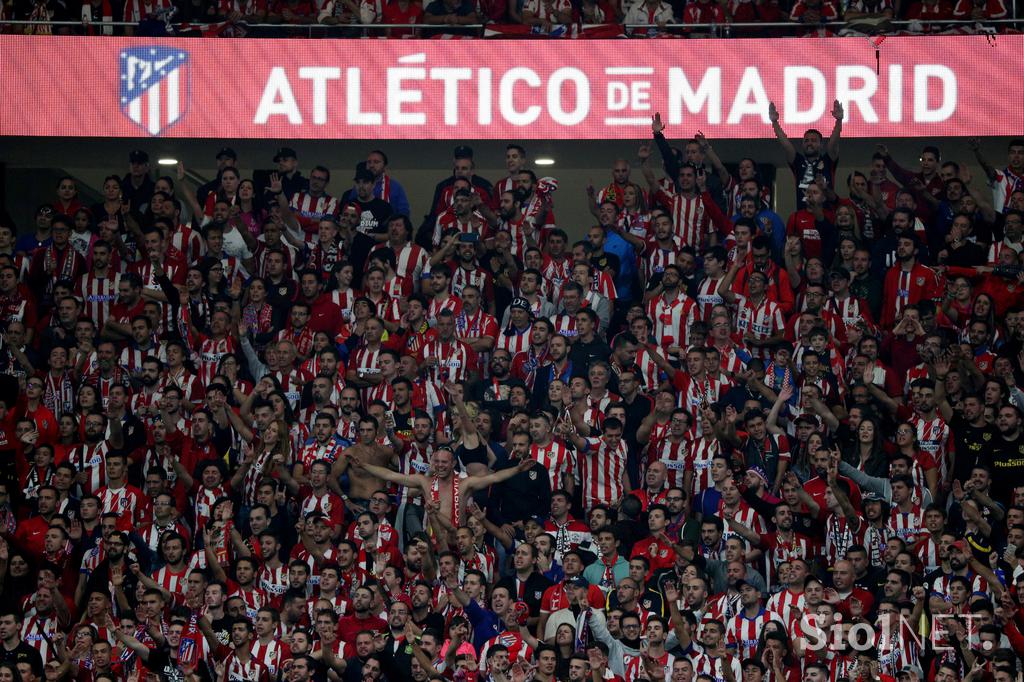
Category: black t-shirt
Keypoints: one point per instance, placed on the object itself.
(373, 215)
(972, 445)
(23, 653)
(806, 170)
(161, 663)
(1007, 462)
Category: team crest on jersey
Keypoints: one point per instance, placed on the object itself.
(919, 281)
(533, 475)
(154, 86)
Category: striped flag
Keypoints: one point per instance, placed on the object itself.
(154, 86)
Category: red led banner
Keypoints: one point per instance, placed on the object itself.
(493, 89)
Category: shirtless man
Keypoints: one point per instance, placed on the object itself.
(362, 483)
(444, 492)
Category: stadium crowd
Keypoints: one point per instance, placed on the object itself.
(509, 18)
(269, 428)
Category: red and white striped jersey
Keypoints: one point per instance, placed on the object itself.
(210, 353)
(516, 342)
(175, 582)
(236, 671)
(254, 475)
(648, 369)
(59, 393)
(415, 460)
(936, 438)
(706, 665)
(674, 456)
(672, 319)
(691, 219)
(850, 310)
(762, 321)
(840, 535)
(38, 631)
(203, 503)
(941, 584)
(702, 450)
(463, 277)
(128, 502)
(310, 210)
(693, 393)
(314, 450)
(601, 471)
(557, 459)
(517, 229)
(556, 273)
(366, 360)
(743, 632)
(273, 581)
(1004, 185)
(152, 533)
(708, 297)
(743, 514)
(91, 459)
(907, 526)
(452, 303)
(455, 360)
(927, 550)
(131, 359)
(410, 261)
(548, 11)
(565, 324)
(787, 604)
(188, 242)
(254, 598)
(449, 220)
(97, 295)
(723, 607)
(271, 654)
(344, 301)
(634, 667)
(656, 258)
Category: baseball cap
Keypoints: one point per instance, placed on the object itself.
(839, 271)
(759, 472)
(138, 156)
(228, 152)
(871, 497)
(463, 152)
(914, 670)
(285, 153)
(961, 545)
(521, 303)
(315, 516)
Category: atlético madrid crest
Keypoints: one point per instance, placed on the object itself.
(154, 86)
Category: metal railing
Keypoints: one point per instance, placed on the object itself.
(721, 30)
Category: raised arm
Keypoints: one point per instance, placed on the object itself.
(780, 134)
(990, 171)
(837, 130)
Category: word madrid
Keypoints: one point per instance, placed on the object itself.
(413, 93)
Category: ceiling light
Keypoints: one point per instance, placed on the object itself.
(544, 161)
(167, 161)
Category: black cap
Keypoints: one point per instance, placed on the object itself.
(463, 152)
(228, 152)
(363, 174)
(138, 156)
(521, 303)
(285, 153)
(839, 271)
